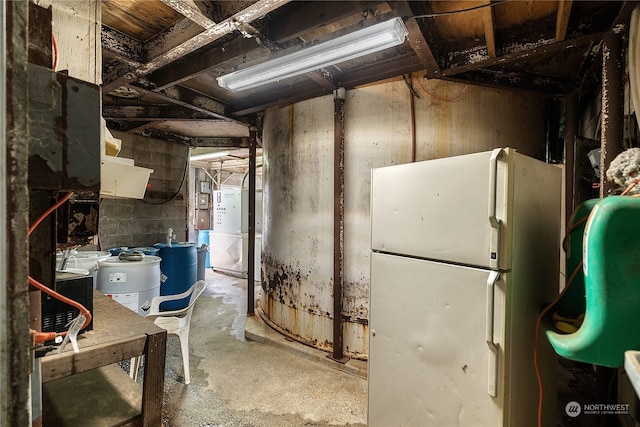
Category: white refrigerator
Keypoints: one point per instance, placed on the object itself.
(465, 252)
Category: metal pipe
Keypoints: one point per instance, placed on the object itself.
(412, 95)
(251, 247)
(570, 133)
(612, 107)
(338, 223)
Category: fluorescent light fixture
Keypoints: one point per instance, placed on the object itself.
(209, 156)
(362, 42)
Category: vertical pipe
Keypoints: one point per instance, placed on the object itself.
(570, 132)
(612, 107)
(338, 222)
(412, 99)
(251, 239)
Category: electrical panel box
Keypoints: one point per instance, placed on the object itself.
(203, 201)
(227, 211)
(202, 219)
(204, 187)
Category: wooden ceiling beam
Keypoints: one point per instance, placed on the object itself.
(190, 11)
(417, 40)
(190, 66)
(179, 33)
(152, 112)
(255, 11)
(562, 19)
(122, 47)
(489, 29)
(325, 17)
(187, 98)
(467, 61)
(519, 80)
(219, 142)
(248, 50)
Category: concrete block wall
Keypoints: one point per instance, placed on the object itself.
(133, 222)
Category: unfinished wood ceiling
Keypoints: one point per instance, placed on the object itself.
(161, 58)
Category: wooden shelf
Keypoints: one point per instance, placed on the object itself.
(102, 397)
(118, 334)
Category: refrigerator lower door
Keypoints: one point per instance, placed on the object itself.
(430, 363)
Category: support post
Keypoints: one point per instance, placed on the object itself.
(612, 107)
(338, 224)
(16, 354)
(570, 132)
(251, 238)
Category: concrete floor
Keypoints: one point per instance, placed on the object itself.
(259, 381)
(244, 374)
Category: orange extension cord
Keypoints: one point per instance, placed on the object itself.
(41, 337)
(537, 334)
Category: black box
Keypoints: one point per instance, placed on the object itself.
(57, 314)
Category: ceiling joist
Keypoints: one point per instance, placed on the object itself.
(190, 11)
(255, 11)
(161, 75)
(489, 29)
(562, 19)
(469, 61)
(152, 112)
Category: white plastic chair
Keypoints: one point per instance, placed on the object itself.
(176, 322)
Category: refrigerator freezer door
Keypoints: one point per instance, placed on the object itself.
(440, 209)
(429, 360)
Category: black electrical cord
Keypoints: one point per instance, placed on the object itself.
(184, 176)
(407, 81)
(453, 12)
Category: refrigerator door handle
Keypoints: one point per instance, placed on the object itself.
(494, 276)
(496, 224)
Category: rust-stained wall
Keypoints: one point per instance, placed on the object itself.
(297, 237)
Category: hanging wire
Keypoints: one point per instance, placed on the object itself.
(407, 81)
(453, 12)
(184, 176)
(439, 98)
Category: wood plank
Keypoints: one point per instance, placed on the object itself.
(151, 112)
(118, 334)
(61, 365)
(417, 40)
(543, 47)
(189, 99)
(318, 18)
(153, 381)
(121, 46)
(489, 29)
(171, 37)
(78, 37)
(255, 11)
(189, 11)
(102, 397)
(140, 19)
(562, 19)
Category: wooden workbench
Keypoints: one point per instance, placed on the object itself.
(118, 334)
